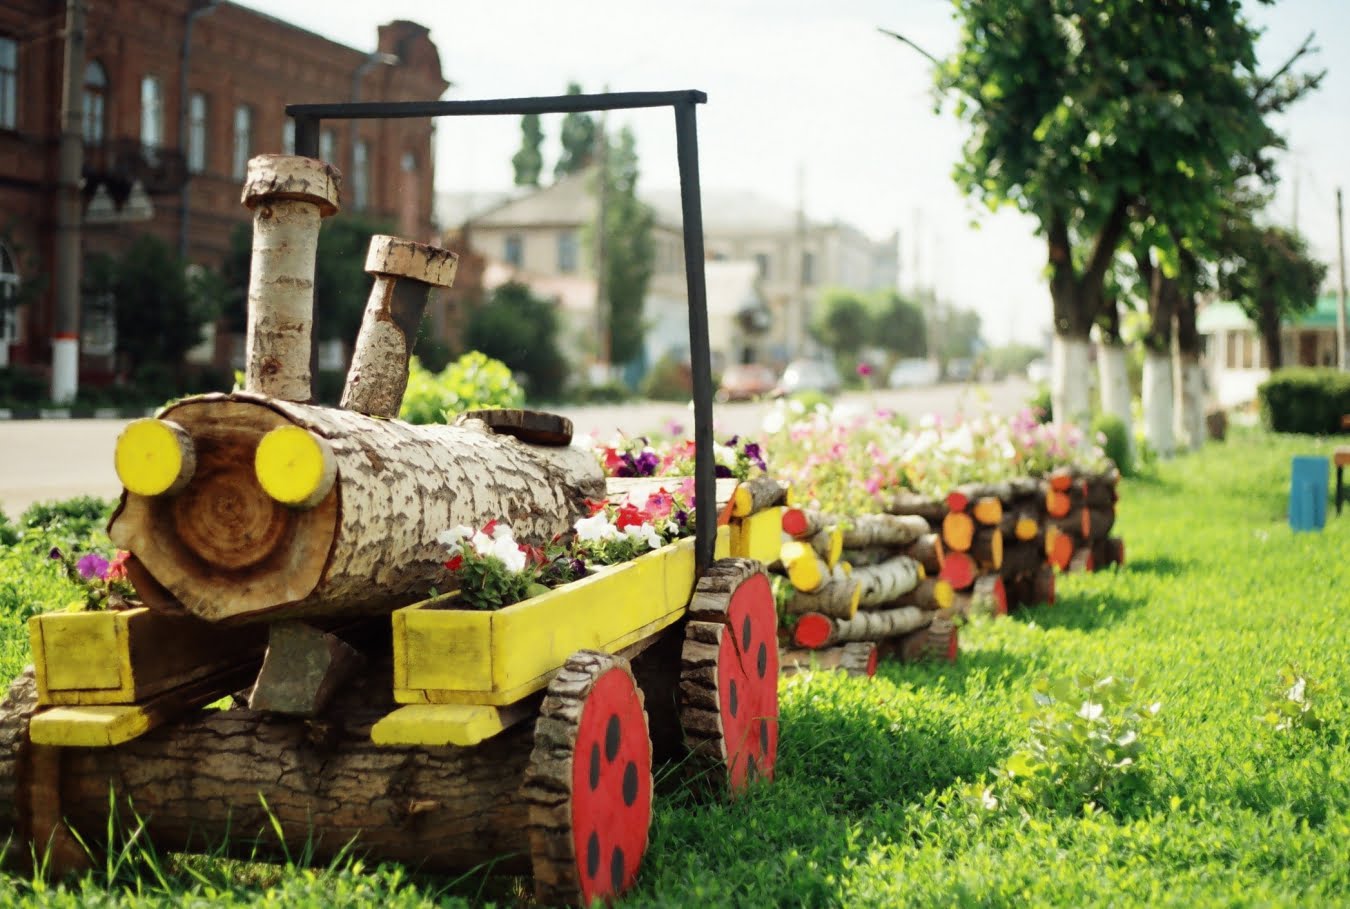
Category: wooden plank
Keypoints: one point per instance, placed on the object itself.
(437, 725)
(126, 656)
(105, 725)
(758, 536)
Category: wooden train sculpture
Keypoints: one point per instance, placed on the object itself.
(284, 551)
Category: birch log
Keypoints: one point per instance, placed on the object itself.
(860, 531)
(837, 596)
(288, 196)
(930, 509)
(757, 494)
(816, 631)
(228, 551)
(928, 551)
(887, 581)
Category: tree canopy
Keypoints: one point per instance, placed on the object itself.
(578, 137)
(521, 330)
(528, 162)
(1268, 272)
(629, 249)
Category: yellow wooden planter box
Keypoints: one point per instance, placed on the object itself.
(461, 656)
(126, 656)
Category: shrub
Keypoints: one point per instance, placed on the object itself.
(1040, 403)
(473, 382)
(668, 380)
(604, 393)
(1305, 400)
(1117, 441)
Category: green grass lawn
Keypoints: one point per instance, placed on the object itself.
(880, 792)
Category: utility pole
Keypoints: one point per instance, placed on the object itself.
(66, 320)
(1341, 340)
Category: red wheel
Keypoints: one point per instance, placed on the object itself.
(589, 783)
(729, 678)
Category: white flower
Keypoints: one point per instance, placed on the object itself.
(644, 531)
(596, 527)
(511, 554)
(454, 535)
(724, 455)
(481, 543)
(500, 531)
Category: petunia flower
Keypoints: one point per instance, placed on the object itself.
(92, 566)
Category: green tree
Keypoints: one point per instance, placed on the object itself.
(579, 133)
(843, 323)
(898, 325)
(521, 330)
(958, 333)
(341, 285)
(161, 312)
(529, 160)
(1269, 273)
(1078, 109)
(629, 251)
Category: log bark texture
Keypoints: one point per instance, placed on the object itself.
(227, 551)
(837, 597)
(887, 581)
(875, 625)
(930, 509)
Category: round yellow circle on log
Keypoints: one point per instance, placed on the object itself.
(148, 457)
(293, 466)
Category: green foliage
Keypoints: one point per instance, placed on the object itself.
(1305, 400)
(1270, 273)
(629, 250)
(1086, 738)
(75, 524)
(603, 393)
(161, 312)
(528, 162)
(473, 382)
(1292, 704)
(843, 323)
(1012, 358)
(956, 333)
(898, 325)
(1041, 404)
(1117, 441)
(669, 380)
(579, 132)
(521, 330)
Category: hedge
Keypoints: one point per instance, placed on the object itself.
(1305, 400)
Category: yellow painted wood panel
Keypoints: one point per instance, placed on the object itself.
(758, 536)
(81, 651)
(88, 727)
(435, 725)
(442, 648)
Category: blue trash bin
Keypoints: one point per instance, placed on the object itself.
(1308, 492)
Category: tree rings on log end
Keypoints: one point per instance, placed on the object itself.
(729, 687)
(589, 783)
(533, 426)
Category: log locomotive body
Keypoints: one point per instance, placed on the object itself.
(284, 552)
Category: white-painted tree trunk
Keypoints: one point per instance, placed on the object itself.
(1114, 376)
(1190, 400)
(1158, 403)
(1070, 380)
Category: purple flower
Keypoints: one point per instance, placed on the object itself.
(723, 471)
(648, 462)
(55, 553)
(92, 566)
(755, 454)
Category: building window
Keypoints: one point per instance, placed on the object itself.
(243, 141)
(1230, 356)
(361, 175)
(808, 268)
(514, 252)
(762, 264)
(327, 146)
(9, 293)
(95, 102)
(196, 137)
(9, 83)
(98, 324)
(288, 137)
(152, 114)
(568, 251)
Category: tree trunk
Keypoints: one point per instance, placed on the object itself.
(1189, 377)
(1070, 385)
(1269, 324)
(228, 551)
(1158, 402)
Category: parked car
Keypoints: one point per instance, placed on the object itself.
(809, 375)
(745, 382)
(912, 372)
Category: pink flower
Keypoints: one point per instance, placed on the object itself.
(864, 369)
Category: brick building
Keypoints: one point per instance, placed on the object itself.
(178, 95)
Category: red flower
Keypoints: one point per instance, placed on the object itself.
(489, 527)
(117, 568)
(660, 503)
(630, 516)
(534, 555)
(612, 460)
(596, 507)
(455, 562)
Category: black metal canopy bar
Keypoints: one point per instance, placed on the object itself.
(308, 116)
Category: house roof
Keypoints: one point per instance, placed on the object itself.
(1228, 316)
(732, 286)
(570, 201)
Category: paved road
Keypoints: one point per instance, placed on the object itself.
(56, 459)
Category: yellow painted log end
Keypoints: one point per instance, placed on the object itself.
(89, 727)
(154, 457)
(741, 502)
(836, 548)
(803, 567)
(295, 467)
(943, 593)
(855, 600)
(437, 725)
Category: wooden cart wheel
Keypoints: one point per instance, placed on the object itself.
(729, 675)
(589, 783)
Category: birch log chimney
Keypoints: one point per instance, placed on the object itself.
(289, 196)
(407, 276)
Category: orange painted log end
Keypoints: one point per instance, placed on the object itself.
(1026, 529)
(958, 529)
(988, 510)
(1057, 503)
(1000, 597)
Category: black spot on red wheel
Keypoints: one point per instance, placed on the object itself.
(730, 680)
(591, 742)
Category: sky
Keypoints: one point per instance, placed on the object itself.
(807, 100)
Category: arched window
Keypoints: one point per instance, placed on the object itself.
(95, 102)
(9, 295)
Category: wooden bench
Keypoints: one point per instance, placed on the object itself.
(1341, 458)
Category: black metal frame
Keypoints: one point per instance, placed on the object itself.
(308, 116)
